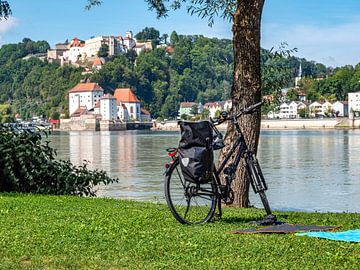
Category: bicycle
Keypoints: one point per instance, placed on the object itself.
(195, 203)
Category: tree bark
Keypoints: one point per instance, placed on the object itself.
(246, 89)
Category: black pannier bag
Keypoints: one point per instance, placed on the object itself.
(196, 155)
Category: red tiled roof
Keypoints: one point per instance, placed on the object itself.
(97, 62)
(78, 112)
(143, 111)
(125, 95)
(170, 49)
(86, 87)
(187, 104)
(212, 104)
(77, 43)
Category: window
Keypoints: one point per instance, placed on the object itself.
(131, 109)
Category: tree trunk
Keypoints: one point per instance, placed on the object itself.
(246, 89)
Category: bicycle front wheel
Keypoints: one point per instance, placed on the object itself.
(189, 203)
(257, 182)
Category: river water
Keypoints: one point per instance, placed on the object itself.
(305, 170)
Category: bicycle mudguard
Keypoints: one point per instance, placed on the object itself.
(170, 166)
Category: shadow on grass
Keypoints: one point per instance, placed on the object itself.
(239, 219)
(248, 219)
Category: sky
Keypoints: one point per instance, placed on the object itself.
(325, 31)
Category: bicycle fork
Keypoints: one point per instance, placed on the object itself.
(259, 185)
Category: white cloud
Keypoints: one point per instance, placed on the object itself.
(335, 45)
(7, 25)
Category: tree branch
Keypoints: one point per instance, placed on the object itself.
(5, 10)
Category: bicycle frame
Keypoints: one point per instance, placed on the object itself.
(243, 152)
(223, 191)
(243, 149)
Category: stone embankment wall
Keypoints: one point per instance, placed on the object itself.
(112, 125)
(299, 124)
(81, 124)
(281, 124)
(173, 126)
(91, 124)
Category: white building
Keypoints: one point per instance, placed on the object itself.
(327, 108)
(227, 105)
(93, 45)
(108, 109)
(128, 105)
(129, 41)
(354, 101)
(315, 109)
(340, 108)
(287, 110)
(143, 46)
(57, 53)
(294, 109)
(284, 110)
(85, 95)
(186, 108)
(214, 107)
(75, 51)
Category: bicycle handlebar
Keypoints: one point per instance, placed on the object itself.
(248, 110)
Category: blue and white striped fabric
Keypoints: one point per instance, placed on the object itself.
(348, 236)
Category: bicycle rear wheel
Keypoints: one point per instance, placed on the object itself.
(189, 203)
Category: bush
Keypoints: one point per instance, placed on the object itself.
(30, 166)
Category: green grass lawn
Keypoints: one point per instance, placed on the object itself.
(49, 232)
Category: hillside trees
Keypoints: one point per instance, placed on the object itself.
(31, 86)
(103, 51)
(149, 33)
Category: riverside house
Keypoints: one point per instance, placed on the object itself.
(186, 108)
(354, 101)
(89, 99)
(128, 105)
(292, 109)
(341, 108)
(85, 96)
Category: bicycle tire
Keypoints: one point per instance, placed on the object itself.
(189, 203)
(255, 177)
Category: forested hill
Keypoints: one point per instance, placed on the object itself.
(195, 68)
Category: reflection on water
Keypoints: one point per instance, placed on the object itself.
(305, 170)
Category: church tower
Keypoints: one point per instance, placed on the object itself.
(298, 78)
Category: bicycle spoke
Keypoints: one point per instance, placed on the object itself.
(189, 202)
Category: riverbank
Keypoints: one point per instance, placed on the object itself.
(60, 232)
(327, 123)
(89, 123)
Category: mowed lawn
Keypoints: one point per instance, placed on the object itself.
(62, 232)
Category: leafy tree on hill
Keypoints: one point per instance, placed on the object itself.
(149, 33)
(152, 67)
(103, 51)
(116, 73)
(174, 38)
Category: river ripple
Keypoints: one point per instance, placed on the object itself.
(305, 170)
